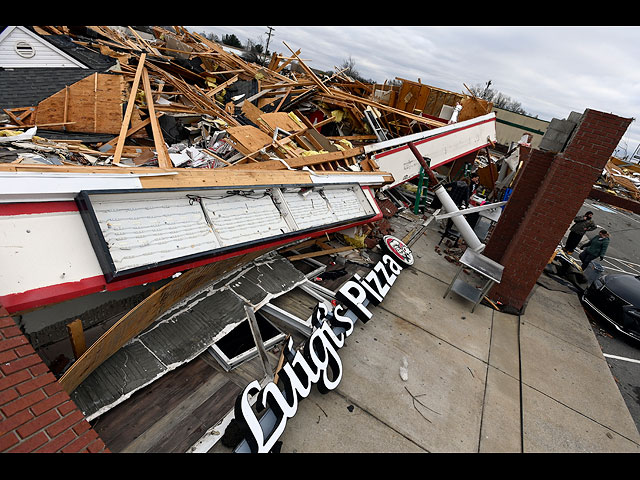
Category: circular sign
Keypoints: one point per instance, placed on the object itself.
(398, 250)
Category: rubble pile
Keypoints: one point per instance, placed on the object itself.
(621, 179)
(210, 108)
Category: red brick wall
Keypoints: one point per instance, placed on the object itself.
(530, 233)
(615, 200)
(36, 415)
(534, 168)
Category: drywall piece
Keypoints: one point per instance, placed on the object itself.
(186, 330)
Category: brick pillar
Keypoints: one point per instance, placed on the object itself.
(527, 235)
(525, 189)
(36, 415)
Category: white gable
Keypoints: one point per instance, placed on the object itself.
(21, 48)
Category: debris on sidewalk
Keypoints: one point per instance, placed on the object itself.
(404, 370)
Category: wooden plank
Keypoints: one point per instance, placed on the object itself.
(302, 161)
(192, 427)
(319, 254)
(127, 116)
(76, 335)
(313, 76)
(173, 428)
(281, 120)
(120, 426)
(131, 131)
(164, 161)
(143, 315)
(248, 139)
(251, 111)
(221, 87)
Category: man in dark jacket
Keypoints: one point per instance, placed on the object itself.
(594, 248)
(581, 225)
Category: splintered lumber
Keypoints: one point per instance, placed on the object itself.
(107, 146)
(309, 72)
(303, 161)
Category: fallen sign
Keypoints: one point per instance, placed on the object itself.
(318, 362)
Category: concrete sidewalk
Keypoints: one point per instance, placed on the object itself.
(477, 382)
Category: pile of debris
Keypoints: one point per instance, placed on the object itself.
(191, 103)
(620, 178)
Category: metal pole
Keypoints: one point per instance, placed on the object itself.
(449, 206)
(257, 337)
(416, 206)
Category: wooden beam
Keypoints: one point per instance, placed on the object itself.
(164, 161)
(221, 87)
(318, 82)
(320, 253)
(130, 104)
(76, 335)
(130, 132)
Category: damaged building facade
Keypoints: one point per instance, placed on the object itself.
(165, 205)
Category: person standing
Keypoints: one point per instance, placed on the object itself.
(594, 248)
(581, 225)
(472, 218)
(456, 112)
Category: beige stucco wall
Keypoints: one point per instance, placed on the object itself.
(511, 126)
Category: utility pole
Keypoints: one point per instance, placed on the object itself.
(484, 94)
(271, 29)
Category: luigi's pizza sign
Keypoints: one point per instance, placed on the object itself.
(317, 362)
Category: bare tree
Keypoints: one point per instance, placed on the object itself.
(499, 99)
(348, 67)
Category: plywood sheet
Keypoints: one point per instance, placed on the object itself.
(280, 120)
(94, 104)
(248, 139)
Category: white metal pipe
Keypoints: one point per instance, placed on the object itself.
(459, 221)
(467, 211)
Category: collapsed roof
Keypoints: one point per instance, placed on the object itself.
(211, 108)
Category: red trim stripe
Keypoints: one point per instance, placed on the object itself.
(39, 297)
(30, 208)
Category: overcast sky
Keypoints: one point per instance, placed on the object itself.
(550, 70)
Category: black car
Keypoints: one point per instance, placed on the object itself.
(615, 298)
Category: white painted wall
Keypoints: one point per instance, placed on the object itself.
(40, 250)
(439, 144)
(46, 55)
